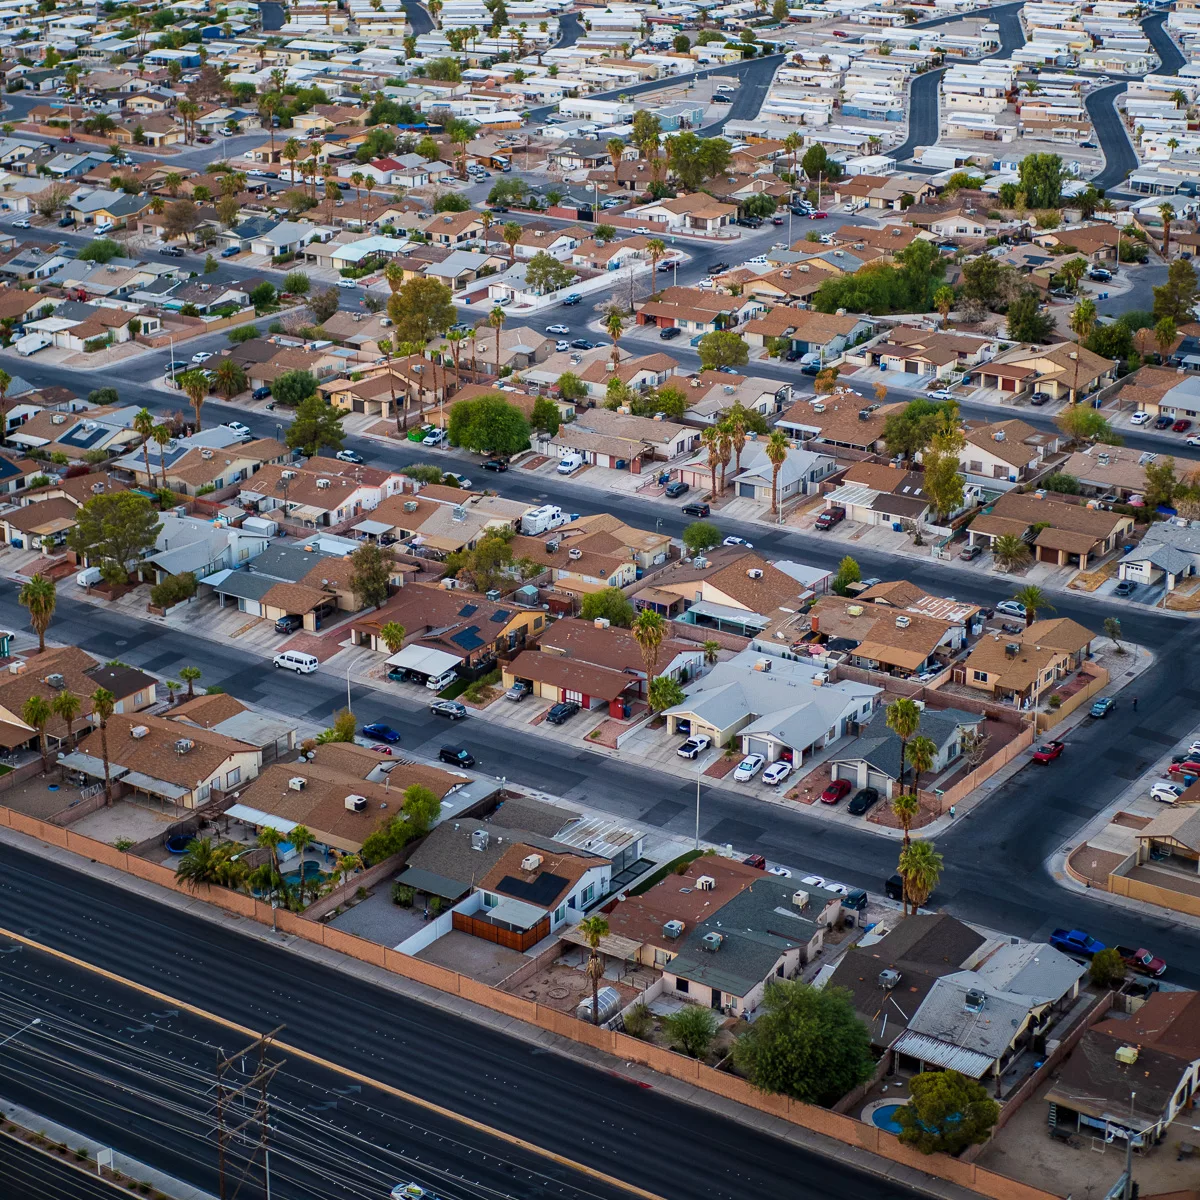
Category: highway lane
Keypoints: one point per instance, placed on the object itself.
(34, 1174)
(607, 1123)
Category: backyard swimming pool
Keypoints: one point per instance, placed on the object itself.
(885, 1117)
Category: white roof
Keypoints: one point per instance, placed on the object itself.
(424, 659)
(255, 816)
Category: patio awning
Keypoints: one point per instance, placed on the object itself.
(14, 735)
(611, 943)
(516, 912)
(374, 528)
(89, 764)
(255, 816)
(433, 884)
(425, 660)
(155, 787)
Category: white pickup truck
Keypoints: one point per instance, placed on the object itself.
(31, 343)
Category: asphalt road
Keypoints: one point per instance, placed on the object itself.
(146, 1069)
(33, 1174)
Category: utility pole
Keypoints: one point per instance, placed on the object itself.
(241, 1111)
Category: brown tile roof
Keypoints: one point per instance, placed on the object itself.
(602, 683)
(568, 867)
(295, 598)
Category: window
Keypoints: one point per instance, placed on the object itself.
(560, 912)
(490, 900)
(662, 957)
(681, 985)
(234, 777)
(979, 676)
(202, 793)
(585, 897)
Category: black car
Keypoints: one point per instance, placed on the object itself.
(260, 393)
(1163, 421)
(675, 488)
(865, 798)
(793, 355)
(719, 98)
(582, 344)
(671, 332)
(697, 508)
(894, 887)
(289, 623)
(176, 366)
(496, 464)
(749, 222)
(563, 711)
(456, 756)
(811, 369)
(65, 222)
(718, 267)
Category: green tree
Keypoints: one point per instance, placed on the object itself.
(243, 333)
(776, 450)
(315, 426)
(392, 634)
(488, 423)
(40, 596)
(905, 808)
(1107, 968)
(371, 574)
(1177, 297)
(100, 251)
(664, 692)
(909, 431)
(115, 532)
(1161, 483)
(1041, 179)
(1034, 599)
(292, 388)
(903, 718)
(422, 807)
(190, 676)
(1086, 424)
(104, 704)
(594, 929)
(943, 483)
(1164, 337)
(205, 863)
(920, 754)
(36, 713)
(946, 1111)
(1026, 323)
(649, 629)
(611, 603)
(920, 867)
(700, 536)
(342, 729)
(420, 309)
(545, 416)
(807, 1043)
(1112, 631)
(230, 378)
(779, 11)
(66, 706)
(692, 1030)
(296, 283)
(545, 274)
(1010, 551)
(571, 387)
(723, 349)
(694, 159)
(847, 573)
(1064, 484)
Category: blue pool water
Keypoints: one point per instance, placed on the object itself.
(885, 1117)
(312, 870)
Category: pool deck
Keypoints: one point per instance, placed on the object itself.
(868, 1113)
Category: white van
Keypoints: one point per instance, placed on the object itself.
(293, 660)
(103, 226)
(569, 463)
(435, 683)
(89, 577)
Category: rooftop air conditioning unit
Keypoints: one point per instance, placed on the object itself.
(700, 562)
(288, 474)
(602, 623)
(451, 584)
(206, 454)
(673, 929)
(855, 610)
(864, 414)
(552, 546)
(575, 553)
(458, 513)
(531, 862)
(974, 1001)
(706, 883)
(818, 406)
(998, 436)
(903, 622)
(712, 942)
(410, 506)
(754, 573)
(800, 899)
(56, 681)
(97, 488)
(1012, 649)
(297, 783)
(58, 419)
(729, 389)
(492, 594)
(356, 804)
(183, 745)
(1127, 1055)
(480, 839)
(889, 978)
(138, 732)
(322, 484)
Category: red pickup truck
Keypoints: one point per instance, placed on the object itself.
(830, 517)
(1048, 752)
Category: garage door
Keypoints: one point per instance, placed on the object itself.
(758, 746)
(877, 780)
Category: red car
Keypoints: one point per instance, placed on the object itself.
(1048, 752)
(755, 860)
(817, 216)
(1182, 426)
(1189, 767)
(835, 791)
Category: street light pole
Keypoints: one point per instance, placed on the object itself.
(696, 843)
(348, 707)
(17, 1034)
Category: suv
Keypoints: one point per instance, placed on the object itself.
(970, 553)
(448, 708)
(456, 756)
(563, 711)
(1103, 706)
(518, 691)
(830, 517)
(697, 508)
(289, 623)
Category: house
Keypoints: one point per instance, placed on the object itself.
(808, 331)
(1065, 371)
(873, 759)
(602, 533)
(883, 494)
(639, 373)
(905, 644)
(454, 229)
(903, 596)
(1057, 532)
(157, 758)
(1022, 667)
(927, 354)
(1115, 472)
(1005, 452)
(320, 498)
(800, 474)
(843, 419)
(696, 211)
(1131, 1076)
(772, 705)
(697, 311)
(285, 237)
(222, 713)
(1166, 554)
(619, 440)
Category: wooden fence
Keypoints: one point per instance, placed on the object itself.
(509, 938)
(968, 783)
(628, 1049)
(1050, 718)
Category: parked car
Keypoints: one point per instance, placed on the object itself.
(582, 344)
(864, 800)
(1049, 751)
(175, 366)
(1181, 426)
(675, 489)
(1189, 766)
(564, 710)
(519, 690)
(243, 431)
(696, 508)
(260, 393)
(776, 773)
(830, 517)
(561, 346)
(1167, 793)
(1140, 418)
(496, 464)
(350, 456)
(462, 481)
(1126, 587)
(694, 746)
(970, 553)
(1076, 941)
(748, 768)
(940, 394)
(436, 438)
(385, 733)
(1103, 706)
(558, 328)
(818, 215)
(737, 541)
(172, 251)
(571, 300)
(456, 756)
(1100, 275)
(1039, 398)
(201, 356)
(289, 623)
(231, 252)
(1162, 421)
(448, 708)
(1142, 960)
(669, 334)
(1012, 607)
(835, 791)
(756, 861)
(348, 284)
(21, 223)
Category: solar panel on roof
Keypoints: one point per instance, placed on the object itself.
(543, 891)
(501, 615)
(468, 610)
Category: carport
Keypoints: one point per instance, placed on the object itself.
(425, 661)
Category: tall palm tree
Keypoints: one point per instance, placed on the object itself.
(369, 185)
(486, 221)
(496, 321)
(614, 323)
(594, 928)
(711, 437)
(104, 704)
(40, 596)
(616, 150)
(36, 712)
(904, 720)
(943, 301)
(656, 248)
(189, 675)
(920, 867)
(776, 450)
(356, 182)
(292, 152)
(1034, 599)
(724, 447)
(1167, 213)
(301, 837)
(1083, 321)
(392, 635)
(649, 629)
(510, 233)
(161, 435)
(1010, 551)
(268, 105)
(385, 348)
(195, 385)
(712, 650)
(735, 418)
(66, 706)
(455, 339)
(143, 423)
(921, 754)
(792, 144)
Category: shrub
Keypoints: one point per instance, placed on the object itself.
(1055, 701)
(638, 1020)
(173, 590)
(123, 843)
(402, 895)
(243, 333)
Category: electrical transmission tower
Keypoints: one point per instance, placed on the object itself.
(241, 1114)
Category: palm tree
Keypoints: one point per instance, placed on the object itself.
(1034, 599)
(385, 348)
(486, 221)
(735, 418)
(40, 597)
(104, 703)
(594, 928)
(195, 384)
(496, 321)
(66, 706)
(725, 447)
(656, 248)
(711, 437)
(614, 323)
(369, 186)
(392, 635)
(301, 837)
(356, 182)
(511, 234)
(792, 145)
(711, 651)
(904, 720)
(1010, 551)
(920, 867)
(1179, 98)
(1165, 333)
(173, 685)
(1083, 321)
(905, 808)
(943, 301)
(921, 754)
(35, 713)
(1167, 213)
(616, 149)
(230, 378)
(189, 675)
(292, 152)
(455, 339)
(206, 864)
(162, 436)
(776, 450)
(649, 629)
(143, 424)
(267, 107)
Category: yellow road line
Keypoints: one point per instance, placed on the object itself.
(369, 1081)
